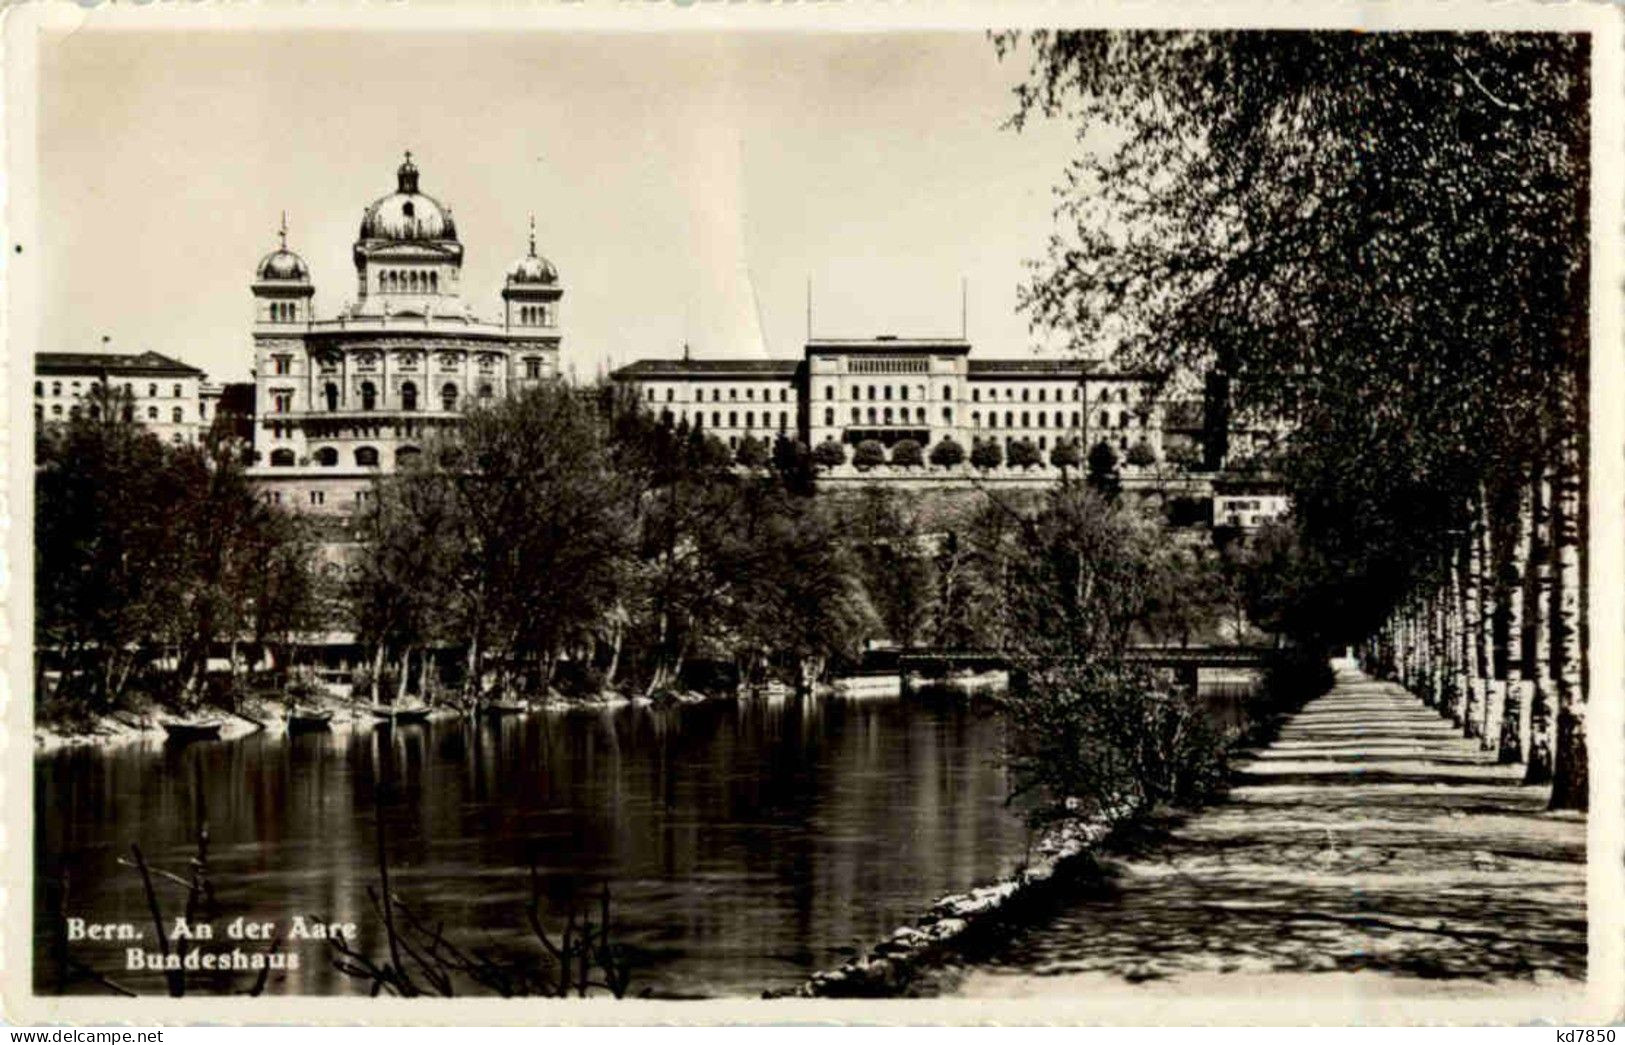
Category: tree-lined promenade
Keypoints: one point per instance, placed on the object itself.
(1380, 240)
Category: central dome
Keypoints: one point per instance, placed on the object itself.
(407, 215)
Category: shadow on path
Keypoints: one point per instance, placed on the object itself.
(1368, 837)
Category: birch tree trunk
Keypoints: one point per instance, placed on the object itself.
(1489, 598)
(1570, 757)
(1471, 678)
(1516, 691)
(1537, 629)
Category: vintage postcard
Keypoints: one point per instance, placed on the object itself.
(717, 513)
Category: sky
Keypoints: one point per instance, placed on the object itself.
(687, 187)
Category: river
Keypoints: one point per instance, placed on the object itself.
(745, 844)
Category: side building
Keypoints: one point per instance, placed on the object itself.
(338, 400)
(168, 397)
(889, 389)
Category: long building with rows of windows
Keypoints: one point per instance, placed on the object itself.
(889, 389)
(171, 399)
(339, 399)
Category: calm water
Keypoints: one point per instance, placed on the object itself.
(746, 845)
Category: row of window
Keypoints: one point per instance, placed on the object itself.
(282, 399)
(408, 281)
(886, 392)
(327, 457)
(129, 390)
(886, 365)
(316, 497)
(733, 418)
(535, 316)
(177, 416)
(283, 364)
(283, 312)
(733, 395)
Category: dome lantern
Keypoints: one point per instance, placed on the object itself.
(282, 289)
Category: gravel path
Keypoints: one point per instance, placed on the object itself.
(1370, 844)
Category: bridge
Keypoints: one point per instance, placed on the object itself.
(1187, 661)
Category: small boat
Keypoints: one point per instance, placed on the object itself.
(182, 732)
(308, 720)
(404, 715)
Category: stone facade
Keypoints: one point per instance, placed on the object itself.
(166, 396)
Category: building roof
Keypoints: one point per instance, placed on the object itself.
(888, 344)
(764, 369)
(1030, 367)
(145, 364)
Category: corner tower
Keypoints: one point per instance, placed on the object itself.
(282, 290)
(531, 293)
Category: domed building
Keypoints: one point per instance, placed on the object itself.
(340, 399)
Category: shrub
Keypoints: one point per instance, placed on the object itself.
(1065, 455)
(987, 454)
(947, 453)
(1140, 455)
(1023, 454)
(907, 454)
(829, 454)
(1106, 740)
(1103, 469)
(869, 454)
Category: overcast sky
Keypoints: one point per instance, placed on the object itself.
(686, 187)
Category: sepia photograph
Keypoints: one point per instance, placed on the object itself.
(971, 514)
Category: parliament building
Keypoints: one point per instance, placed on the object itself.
(340, 398)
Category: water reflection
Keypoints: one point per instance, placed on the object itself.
(746, 844)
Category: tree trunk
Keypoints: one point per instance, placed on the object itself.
(1570, 757)
(1489, 590)
(377, 670)
(400, 684)
(1472, 680)
(1516, 690)
(1537, 632)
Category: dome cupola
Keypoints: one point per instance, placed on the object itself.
(532, 268)
(282, 264)
(407, 215)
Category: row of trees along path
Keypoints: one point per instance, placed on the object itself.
(1376, 243)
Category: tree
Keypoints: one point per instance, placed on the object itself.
(752, 454)
(869, 454)
(986, 454)
(829, 454)
(1416, 313)
(1103, 477)
(890, 547)
(1140, 455)
(947, 453)
(1023, 454)
(907, 454)
(1065, 455)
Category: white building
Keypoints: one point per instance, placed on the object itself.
(889, 389)
(163, 394)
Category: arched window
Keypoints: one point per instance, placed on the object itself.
(434, 282)
(369, 396)
(784, 420)
(871, 415)
(948, 415)
(976, 419)
(383, 282)
(750, 419)
(176, 415)
(919, 414)
(152, 391)
(417, 281)
(152, 413)
(330, 393)
(829, 391)
(1074, 419)
(902, 392)
(409, 396)
(281, 458)
(448, 397)
(39, 411)
(947, 392)
(56, 410)
(177, 391)
(872, 396)
(716, 419)
(993, 419)
(1041, 395)
(485, 391)
(406, 453)
(733, 419)
(39, 388)
(886, 417)
(1026, 421)
(366, 456)
(1009, 419)
(56, 388)
(829, 415)
(327, 457)
(1105, 419)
